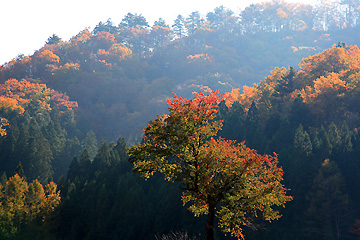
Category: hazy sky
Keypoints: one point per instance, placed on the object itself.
(26, 24)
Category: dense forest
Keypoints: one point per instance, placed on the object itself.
(69, 110)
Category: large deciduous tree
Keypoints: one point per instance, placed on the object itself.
(215, 174)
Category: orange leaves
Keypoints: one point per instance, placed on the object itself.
(281, 14)
(105, 36)
(116, 53)
(158, 28)
(331, 83)
(120, 50)
(10, 104)
(335, 59)
(198, 107)
(25, 93)
(62, 101)
(212, 172)
(138, 31)
(48, 56)
(232, 97)
(104, 40)
(18, 95)
(82, 37)
(199, 57)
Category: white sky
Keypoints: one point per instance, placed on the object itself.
(25, 25)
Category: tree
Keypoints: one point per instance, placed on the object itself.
(179, 26)
(108, 26)
(133, 20)
(193, 22)
(212, 172)
(219, 16)
(54, 39)
(302, 143)
(161, 22)
(23, 204)
(329, 204)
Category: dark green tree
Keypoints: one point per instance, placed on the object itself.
(302, 143)
(107, 26)
(132, 20)
(54, 39)
(90, 143)
(328, 212)
(20, 171)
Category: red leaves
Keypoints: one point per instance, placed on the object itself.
(211, 171)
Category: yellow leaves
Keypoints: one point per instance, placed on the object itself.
(71, 66)
(120, 50)
(3, 124)
(232, 97)
(10, 104)
(22, 203)
(330, 83)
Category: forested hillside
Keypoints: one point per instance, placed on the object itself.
(299, 70)
(121, 73)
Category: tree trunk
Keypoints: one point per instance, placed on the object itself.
(209, 228)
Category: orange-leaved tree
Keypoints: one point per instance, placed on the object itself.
(219, 178)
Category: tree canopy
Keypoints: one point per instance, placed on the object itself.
(212, 172)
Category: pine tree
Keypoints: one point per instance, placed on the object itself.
(328, 210)
(179, 26)
(302, 143)
(90, 143)
(334, 136)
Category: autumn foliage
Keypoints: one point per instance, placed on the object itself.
(19, 96)
(216, 175)
(321, 83)
(22, 203)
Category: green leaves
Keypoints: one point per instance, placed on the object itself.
(211, 171)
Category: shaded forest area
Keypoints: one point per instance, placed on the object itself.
(107, 83)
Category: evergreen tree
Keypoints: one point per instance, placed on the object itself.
(74, 170)
(39, 161)
(102, 159)
(20, 171)
(285, 85)
(328, 212)
(325, 144)
(54, 39)
(334, 136)
(90, 143)
(346, 144)
(179, 26)
(302, 143)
